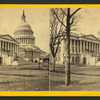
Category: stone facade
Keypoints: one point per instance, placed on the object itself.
(84, 49)
(8, 49)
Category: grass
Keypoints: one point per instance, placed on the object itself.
(83, 78)
(23, 78)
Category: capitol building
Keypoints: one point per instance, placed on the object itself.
(22, 45)
(24, 36)
(84, 49)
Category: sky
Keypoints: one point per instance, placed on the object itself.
(89, 22)
(38, 18)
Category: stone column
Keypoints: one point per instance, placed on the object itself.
(74, 46)
(86, 45)
(20, 40)
(10, 47)
(96, 48)
(25, 40)
(80, 46)
(2, 44)
(16, 50)
(33, 55)
(5, 45)
(27, 54)
(70, 45)
(92, 46)
(89, 46)
(13, 48)
(29, 41)
(83, 46)
(99, 48)
(77, 46)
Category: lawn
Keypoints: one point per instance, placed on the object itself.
(83, 78)
(24, 78)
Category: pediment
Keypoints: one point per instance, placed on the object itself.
(7, 37)
(92, 37)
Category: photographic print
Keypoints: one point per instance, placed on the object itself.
(49, 49)
(23, 46)
(75, 49)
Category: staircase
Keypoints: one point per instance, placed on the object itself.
(97, 63)
(24, 62)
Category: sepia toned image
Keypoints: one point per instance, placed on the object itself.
(75, 49)
(49, 49)
(23, 46)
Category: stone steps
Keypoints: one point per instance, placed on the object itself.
(24, 62)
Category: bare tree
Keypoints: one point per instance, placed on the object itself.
(67, 24)
(56, 33)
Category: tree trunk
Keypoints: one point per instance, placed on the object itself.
(53, 69)
(67, 65)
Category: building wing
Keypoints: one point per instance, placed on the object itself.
(8, 37)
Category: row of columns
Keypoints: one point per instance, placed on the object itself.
(25, 40)
(9, 47)
(79, 46)
(28, 55)
(24, 33)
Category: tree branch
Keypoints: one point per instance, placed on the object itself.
(59, 19)
(63, 11)
(74, 12)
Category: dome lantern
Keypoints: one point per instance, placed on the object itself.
(23, 17)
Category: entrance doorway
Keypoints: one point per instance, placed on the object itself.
(77, 60)
(84, 60)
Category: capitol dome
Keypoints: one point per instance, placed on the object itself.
(23, 33)
(23, 25)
